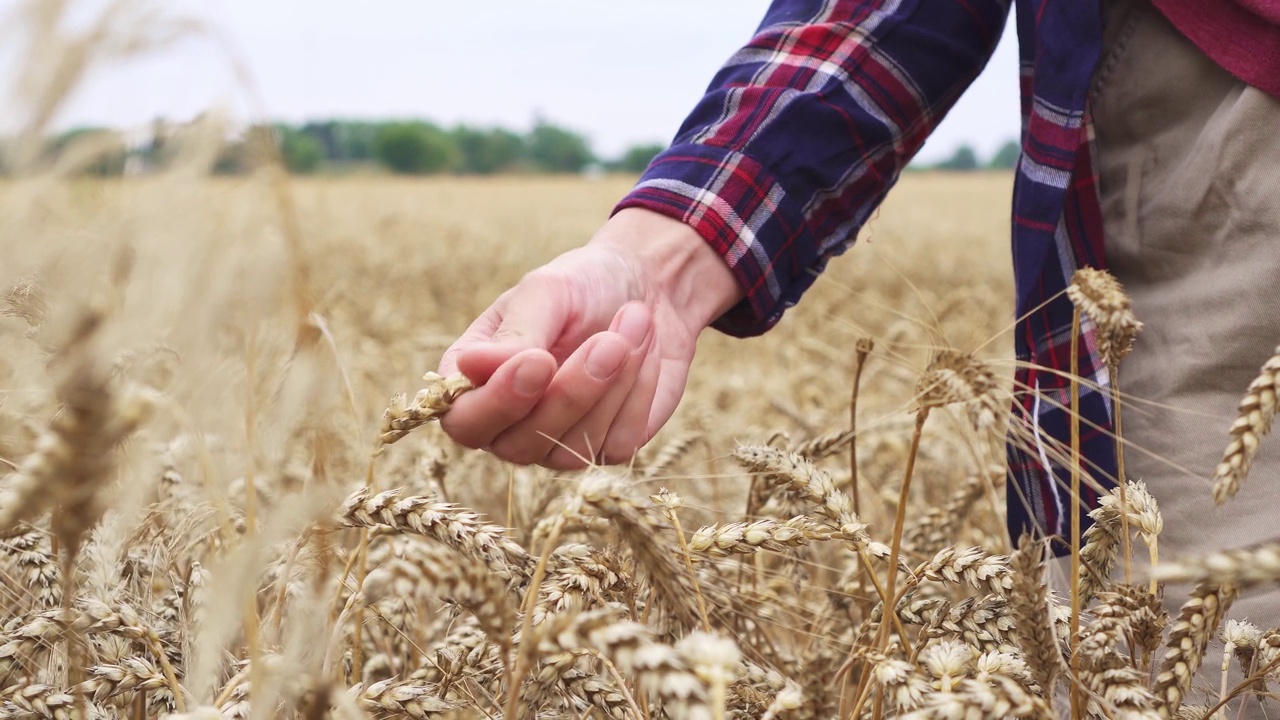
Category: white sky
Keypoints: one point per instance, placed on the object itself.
(619, 72)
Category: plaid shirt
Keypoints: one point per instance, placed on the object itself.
(803, 132)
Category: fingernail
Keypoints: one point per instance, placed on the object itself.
(531, 378)
(606, 358)
(633, 324)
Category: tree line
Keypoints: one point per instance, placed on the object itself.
(965, 159)
(408, 147)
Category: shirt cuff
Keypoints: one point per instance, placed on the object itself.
(742, 211)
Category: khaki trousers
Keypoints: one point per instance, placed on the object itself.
(1189, 169)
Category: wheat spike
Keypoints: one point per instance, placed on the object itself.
(1188, 638)
(745, 538)
(1029, 604)
(454, 526)
(970, 566)
(630, 646)
(412, 699)
(953, 377)
(1243, 568)
(447, 574)
(41, 576)
(1119, 686)
(1254, 415)
(609, 495)
(800, 477)
(430, 403)
(1102, 299)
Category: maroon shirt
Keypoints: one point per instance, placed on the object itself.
(1242, 36)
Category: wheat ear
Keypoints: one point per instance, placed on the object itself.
(1256, 411)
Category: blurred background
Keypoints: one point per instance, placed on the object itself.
(471, 88)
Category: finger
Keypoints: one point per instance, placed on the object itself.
(480, 331)
(672, 377)
(586, 438)
(630, 429)
(479, 416)
(582, 381)
(531, 315)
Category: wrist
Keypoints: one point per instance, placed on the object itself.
(675, 258)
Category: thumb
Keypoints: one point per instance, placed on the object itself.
(531, 315)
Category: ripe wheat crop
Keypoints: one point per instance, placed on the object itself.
(222, 496)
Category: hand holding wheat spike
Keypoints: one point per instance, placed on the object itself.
(430, 403)
(1257, 410)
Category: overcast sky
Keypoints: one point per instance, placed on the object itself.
(620, 72)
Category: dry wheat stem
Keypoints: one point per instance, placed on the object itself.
(864, 347)
(1076, 600)
(526, 648)
(1121, 479)
(895, 548)
(670, 505)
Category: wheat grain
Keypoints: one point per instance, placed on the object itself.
(970, 566)
(745, 538)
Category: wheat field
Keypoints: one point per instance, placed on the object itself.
(196, 522)
(221, 495)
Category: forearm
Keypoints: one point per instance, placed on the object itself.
(805, 129)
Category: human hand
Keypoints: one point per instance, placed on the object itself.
(586, 357)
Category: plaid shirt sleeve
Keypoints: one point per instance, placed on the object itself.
(805, 129)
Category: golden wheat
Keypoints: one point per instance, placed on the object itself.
(211, 511)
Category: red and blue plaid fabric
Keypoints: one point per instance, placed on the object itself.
(802, 133)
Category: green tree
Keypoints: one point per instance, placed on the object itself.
(637, 157)
(963, 160)
(1006, 158)
(301, 151)
(555, 149)
(97, 151)
(487, 151)
(414, 148)
(344, 141)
